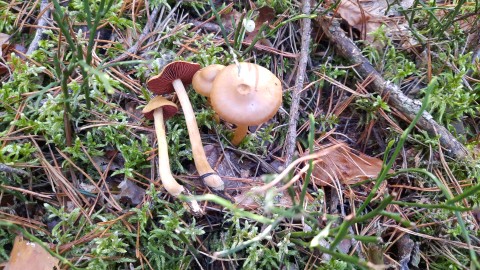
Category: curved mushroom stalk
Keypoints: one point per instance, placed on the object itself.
(204, 169)
(169, 183)
(240, 133)
(163, 109)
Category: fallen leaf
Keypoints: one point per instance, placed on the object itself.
(231, 19)
(346, 165)
(130, 192)
(367, 16)
(405, 247)
(363, 17)
(30, 255)
(265, 15)
(3, 41)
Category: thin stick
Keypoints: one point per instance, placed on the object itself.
(8, 169)
(397, 99)
(41, 23)
(302, 66)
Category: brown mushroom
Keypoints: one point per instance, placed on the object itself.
(245, 94)
(160, 109)
(172, 78)
(202, 81)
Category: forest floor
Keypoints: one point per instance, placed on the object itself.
(370, 162)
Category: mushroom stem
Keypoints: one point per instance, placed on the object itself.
(203, 167)
(169, 183)
(239, 134)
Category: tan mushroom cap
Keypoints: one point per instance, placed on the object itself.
(182, 70)
(169, 108)
(247, 94)
(202, 81)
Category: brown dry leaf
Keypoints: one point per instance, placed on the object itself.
(30, 255)
(231, 18)
(367, 16)
(265, 15)
(3, 47)
(130, 192)
(3, 41)
(364, 16)
(346, 165)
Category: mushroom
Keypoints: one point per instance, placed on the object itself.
(172, 78)
(202, 81)
(160, 109)
(245, 94)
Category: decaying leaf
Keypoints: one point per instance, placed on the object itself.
(231, 19)
(30, 255)
(130, 192)
(3, 41)
(346, 165)
(367, 16)
(265, 15)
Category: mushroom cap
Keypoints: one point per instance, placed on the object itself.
(202, 81)
(169, 108)
(162, 83)
(246, 95)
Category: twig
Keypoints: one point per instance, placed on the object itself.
(44, 8)
(397, 98)
(8, 169)
(302, 66)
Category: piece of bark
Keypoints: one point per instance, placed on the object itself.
(410, 108)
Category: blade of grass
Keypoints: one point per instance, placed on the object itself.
(385, 168)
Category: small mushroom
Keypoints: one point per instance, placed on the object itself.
(202, 81)
(160, 109)
(172, 78)
(245, 94)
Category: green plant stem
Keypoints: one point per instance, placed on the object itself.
(461, 223)
(343, 229)
(383, 204)
(245, 244)
(220, 24)
(383, 173)
(311, 138)
(227, 204)
(471, 191)
(385, 168)
(432, 206)
(398, 218)
(344, 257)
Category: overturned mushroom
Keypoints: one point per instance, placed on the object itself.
(160, 109)
(173, 77)
(245, 94)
